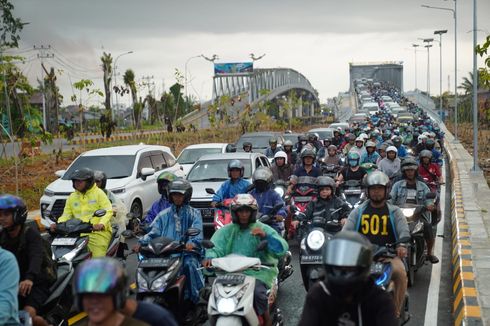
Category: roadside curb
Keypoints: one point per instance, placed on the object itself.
(466, 307)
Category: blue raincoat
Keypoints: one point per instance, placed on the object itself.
(156, 208)
(266, 201)
(230, 189)
(370, 158)
(173, 225)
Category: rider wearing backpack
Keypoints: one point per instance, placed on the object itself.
(37, 269)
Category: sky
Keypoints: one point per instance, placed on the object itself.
(316, 37)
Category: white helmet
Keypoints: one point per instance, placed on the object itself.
(363, 136)
(283, 155)
(392, 149)
(421, 137)
(431, 135)
(360, 139)
(426, 133)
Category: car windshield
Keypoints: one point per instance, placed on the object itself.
(322, 134)
(291, 137)
(215, 170)
(114, 166)
(260, 142)
(191, 155)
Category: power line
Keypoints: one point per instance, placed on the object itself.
(76, 65)
(43, 54)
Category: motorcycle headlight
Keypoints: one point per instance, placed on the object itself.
(142, 283)
(418, 227)
(408, 212)
(159, 283)
(302, 244)
(226, 306)
(315, 240)
(279, 190)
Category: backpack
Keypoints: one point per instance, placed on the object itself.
(49, 267)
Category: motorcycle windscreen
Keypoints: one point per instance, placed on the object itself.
(342, 252)
(234, 263)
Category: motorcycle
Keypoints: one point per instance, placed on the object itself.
(302, 196)
(352, 194)
(317, 233)
(369, 167)
(158, 277)
(231, 301)
(329, 169)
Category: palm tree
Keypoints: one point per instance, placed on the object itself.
(130, 82)
(107, 69)
(467, 87)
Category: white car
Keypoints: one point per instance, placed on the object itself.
(131, 175)
(192, 153)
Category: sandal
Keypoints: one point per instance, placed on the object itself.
(433, 259)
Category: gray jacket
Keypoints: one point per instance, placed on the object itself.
(389, 167)
(399, 195)
(396, 216)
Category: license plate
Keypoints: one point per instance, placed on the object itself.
(64, 241)
(312, 259)
(207, 212)
(155, 262)
(231, 279)
(352, 191)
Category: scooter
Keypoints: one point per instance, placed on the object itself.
(158, 277)
(231, 301)
(352, 193)
(328, 169)
(318, 233)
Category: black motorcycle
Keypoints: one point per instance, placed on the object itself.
(319, 231)
(352, 194)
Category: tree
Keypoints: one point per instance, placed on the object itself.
(53, 99)
(107, 69)
(129, 81)
(11, 26)
(84, 87)
(482, 50)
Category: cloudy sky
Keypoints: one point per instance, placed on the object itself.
(316, 37)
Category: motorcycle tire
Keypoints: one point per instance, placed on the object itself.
(412, 266)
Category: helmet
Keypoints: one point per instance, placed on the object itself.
(308, 153)
(247, 144)
(84, 174)
(272, 140)
(103, 276)
(302, 138)
(392, 149)
(15, 205)
(100, 176)
(163, 180)
(384, 146)
(287, 143)
(397, 140)
(425, 153)
(332, 147)
(262, 175)
(353, 159)
(182, 187)
(244, 201)
(409, 164)
(377, 178)
(360, 139)
(281, 154)
(235, 164)
(327, 140)
(370, 144)
(430, 143)
(363, 136)
(288, 132)
(420, 138)
(351, 137)
(348, 258)
(324, 181)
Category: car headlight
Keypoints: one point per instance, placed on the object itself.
(408, 212)
(118, 191)
(226, 306)
(315, 240)
(48, 193)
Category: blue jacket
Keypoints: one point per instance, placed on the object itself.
(373, 158)
(156, 208)
(402, 151)
(230, 189)
(437, 157)
(269, 152)
(398, 195)
(266, 201)
(9, 274)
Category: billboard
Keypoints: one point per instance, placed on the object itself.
(233, 68)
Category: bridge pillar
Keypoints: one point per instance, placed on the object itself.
(312, 109)
(300, 108)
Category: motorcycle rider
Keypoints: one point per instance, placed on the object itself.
(281, 169)
(332, 156)
(307, 169)
(242, 237)
(118, 208)
(267, 198)
(313, 140)
(82, 204)
(172, 223)
(100, 289)
(371, 156)
(359, 147)
(401, 149)
(390, 165)
(353, 170)
(348, 296)
(337, 138)
(233, 186)
(428, 170)
(421, 144)
(163, 202)
(26, 245)
(292, 155)
(273, 148)
(247, 147)
(382, 223)
(327, 202)
(348, 144)
(409, 190)
(9, 288)
(322, 152)
(436, 155)
(302, 141)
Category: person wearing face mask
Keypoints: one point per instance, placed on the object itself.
(302, 141)
(353, 170)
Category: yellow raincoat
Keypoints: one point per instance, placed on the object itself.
(83, 206)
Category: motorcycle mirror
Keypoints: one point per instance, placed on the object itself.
(210, 191)
(100, 212)
(301, 217)
(262, 244)
(192, 232)
(208, 244)
(265, 218)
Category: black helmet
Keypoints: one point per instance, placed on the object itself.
(307, 153)
(262, 175)
(15, 205)
(163, 181)
(100, 176)
(83, 174)
(409, 164)
(348, 257)
(247, 144)
(397, 141)
(327, 141)
(324, 181)
(302, 138)
(182, 187)
(272, 140)
(236, 164)
(102, 276)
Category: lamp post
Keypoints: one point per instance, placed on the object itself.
(476, 168)
(114, 76)
(428, 46)
(440, 32)
(415, 46)
(455, 16)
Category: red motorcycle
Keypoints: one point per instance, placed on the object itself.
(222, 214)
(303, 194)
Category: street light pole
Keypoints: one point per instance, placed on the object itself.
(415, 46)
(185, 76)
(476, 168)
(428, 46)
(114, 77)
(440, 32)
(455, 16)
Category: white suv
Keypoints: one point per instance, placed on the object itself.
(131, 175)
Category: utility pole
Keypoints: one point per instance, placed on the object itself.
(148, 81)
(44, 54)
(415, 46)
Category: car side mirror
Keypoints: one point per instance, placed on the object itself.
(210, 191)
(146, 172)
(192, 232)
(100, 212)
(60, 173)
(231, 148)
